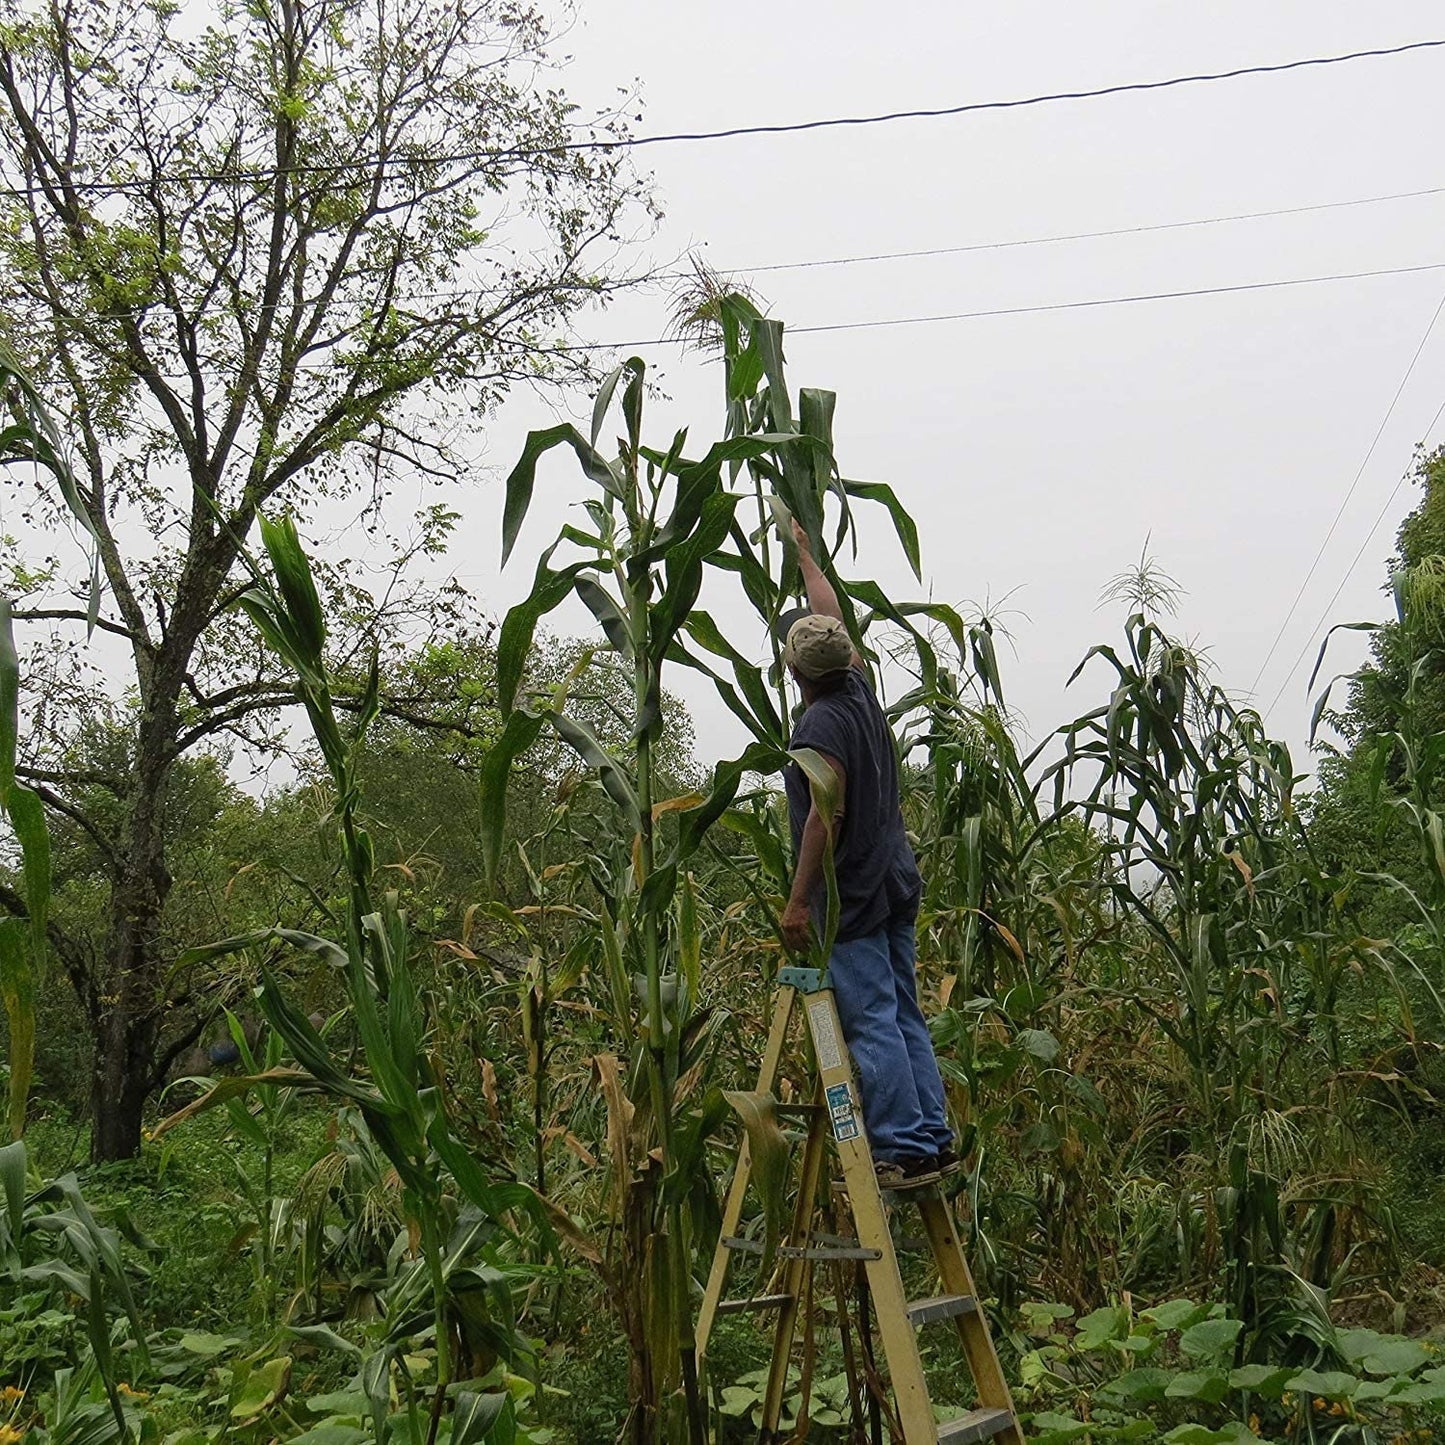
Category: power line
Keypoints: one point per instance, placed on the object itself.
(1093, 302)
(976, 106)
(625, 142)
(1355, 562)
(1345, 502)
(1076, 235)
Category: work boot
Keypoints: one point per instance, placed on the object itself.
(914, 1172)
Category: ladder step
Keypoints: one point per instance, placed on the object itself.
(976, 1425)
(755, 1302)
(941, 1307)
(823, 1249)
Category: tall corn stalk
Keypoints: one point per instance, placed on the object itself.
(657, 522)
(404, 1096)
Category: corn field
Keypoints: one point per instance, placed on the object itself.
(1188, 1038)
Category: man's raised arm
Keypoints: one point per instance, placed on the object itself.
(822, 599)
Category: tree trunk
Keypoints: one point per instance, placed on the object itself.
(130, 1002)
(121, 1084)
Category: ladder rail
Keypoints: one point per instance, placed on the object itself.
(738, 1189)
(900, 1343)
(973, 1331)
(797, 1270)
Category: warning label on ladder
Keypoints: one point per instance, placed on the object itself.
(842, 1113)
(825, 1035)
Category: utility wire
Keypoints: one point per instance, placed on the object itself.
(616, 143)
(1017, 104)
(1093, 302)
(1350, 570)
(1345, 502)
(1073, 235)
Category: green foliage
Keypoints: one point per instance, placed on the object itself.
(1166, 1373)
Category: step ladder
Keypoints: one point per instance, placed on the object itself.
(834, 1112)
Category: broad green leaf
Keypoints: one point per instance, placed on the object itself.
(1396, 1357)
(514, 641)
(1143, 1386)
(1038, 1043)
(1208, 1386)
(1100, 1326)
(338, 1402)
(1210, 1339)
(264, 1386)
(200, 1342)
(1418, 1392)
(292, 569)
(1049, 1428)
(768, 1152)
(1266, 1380)
(583, 741)
(17, 987)
(330, 1433)
(608, 614)
(1328, 1384)
(1177, 1314)
(476, 1415)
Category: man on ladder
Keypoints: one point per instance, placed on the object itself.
(872, 964)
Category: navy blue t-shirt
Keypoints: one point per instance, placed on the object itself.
(877, 873)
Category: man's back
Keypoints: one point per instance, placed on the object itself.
(876, 872)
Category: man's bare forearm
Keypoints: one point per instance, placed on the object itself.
(809, 872)
(822, 599)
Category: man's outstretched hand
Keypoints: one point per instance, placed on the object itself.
(796, 926)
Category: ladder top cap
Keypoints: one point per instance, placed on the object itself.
(805, 980)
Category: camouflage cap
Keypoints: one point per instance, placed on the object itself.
(817, 645)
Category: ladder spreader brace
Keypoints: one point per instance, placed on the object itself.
(836, 1111)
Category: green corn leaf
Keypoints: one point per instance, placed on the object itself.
(768, 1153)
(297, 586)
(684, 564)
(523, 477)
(476, 1415)
(13, 1163)
(17, 985)
(583, 741)
(9, 699)
(726, 779)
(903, 523)
(604, 400)
(518, 735)
(514, 642)
(689, 940)
(609, 616)
(230, 1090)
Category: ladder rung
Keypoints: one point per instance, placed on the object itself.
(756, 1302)
(823, 1249)
(941, 1307)
(976, 1425)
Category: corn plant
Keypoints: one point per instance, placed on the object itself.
(32, 437)
(404, 1102)
(1250, 943)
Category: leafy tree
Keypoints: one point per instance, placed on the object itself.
(1399, 691)
(263, 263)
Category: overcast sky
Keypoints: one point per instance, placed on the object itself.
(1037, 452)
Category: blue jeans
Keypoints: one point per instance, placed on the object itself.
(876, 991)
